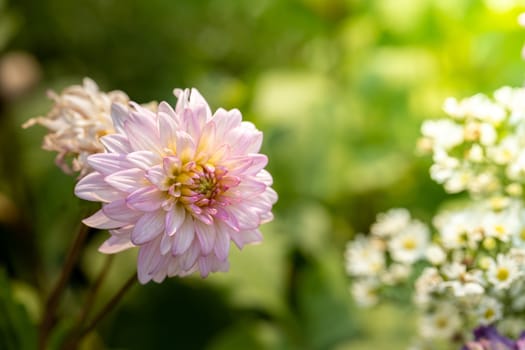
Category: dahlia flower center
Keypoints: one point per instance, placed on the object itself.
(199, 187)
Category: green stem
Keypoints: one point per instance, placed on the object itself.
(110, 305)
(93, 292)
(48, 319)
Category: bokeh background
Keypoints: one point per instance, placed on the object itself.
(339, 88)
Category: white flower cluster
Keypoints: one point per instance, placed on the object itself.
(480, 147)
(477, 271)
(385, 256)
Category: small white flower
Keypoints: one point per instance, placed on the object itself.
(409, 245)
(505, 151)
(364, 257)
(396, 273)
(502, 272)
(444, 133)
(365, 292)
(391, 222)
(442, 323)
(427, 283)
(489, 311)
(435, 254)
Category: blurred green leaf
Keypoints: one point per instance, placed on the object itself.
(17, 332)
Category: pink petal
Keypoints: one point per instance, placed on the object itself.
(118, 210)
(226, 121)
(92, 187)
(146, 199)
(245, 139)
(102, 221)
(265, 177)
(149, 226)
(147, 261)
(167, 127)
(116, 143)
(119, 114)
(184, 236)
(222, 242)
(245, 237)
(206, 235)
(246, 164)
(165, 244)
(128, 180)
(185, 146)
(115, 244)
(157, 176)
(189, 258)
(108, 163)
(142, 133)
(174, 219)
(144, 159)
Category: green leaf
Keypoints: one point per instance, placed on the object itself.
(325, 308)
(16, 330)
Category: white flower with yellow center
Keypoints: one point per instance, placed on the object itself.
(409, 245)
(502, 272)
(443, 323)
(365, 292)
(364, 257)
(489, 311)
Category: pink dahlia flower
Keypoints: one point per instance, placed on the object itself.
(179, 184)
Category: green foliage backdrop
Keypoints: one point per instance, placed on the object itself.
(339, 88)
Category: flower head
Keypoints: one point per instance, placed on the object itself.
(179, 184)
(79, 117)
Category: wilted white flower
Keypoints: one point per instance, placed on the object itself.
(79, 118)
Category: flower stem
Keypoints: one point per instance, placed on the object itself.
(108, 307)
(48, 318)
(93, 292)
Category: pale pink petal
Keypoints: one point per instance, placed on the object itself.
(165, 244)
(108, 163)
(102, 221)
(119, 114)
(116, 143)
(128, 180)
(157, 176)
(92, 187)
(174, 219)
(142, 133)
(246, 164)
(149, 226)
(185, 146)
(146, 199)
(184, 236)
(246, 237)
(226, 121)
(206, 235)
(118, 210)
(144, 159)
(188, 259)
(148, 260)
(167, 127)
(222, 242)
(115, 244)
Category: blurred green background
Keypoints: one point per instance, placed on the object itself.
(339, 88)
